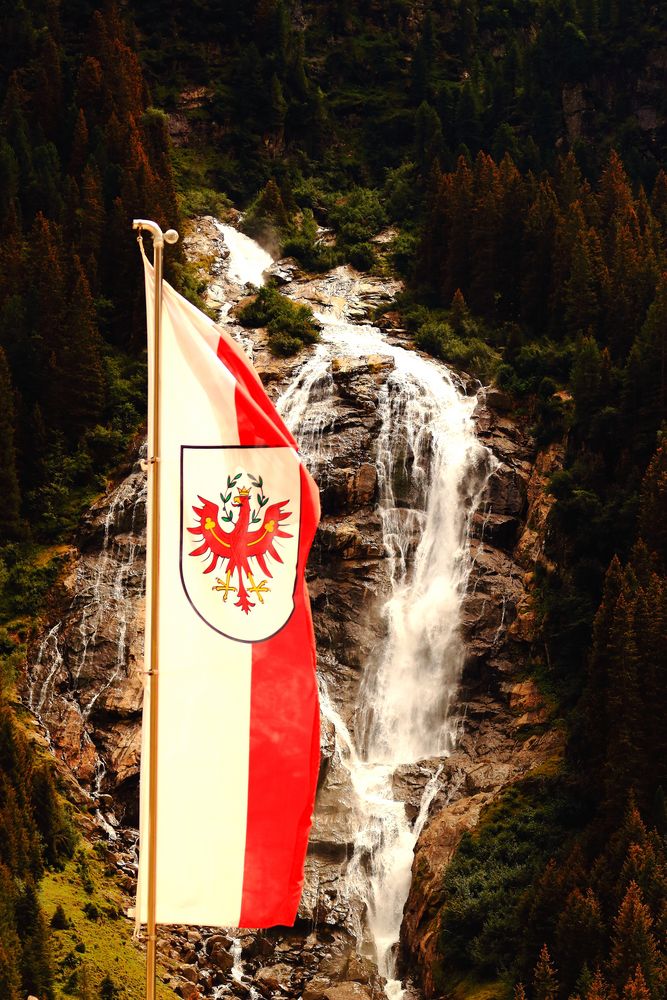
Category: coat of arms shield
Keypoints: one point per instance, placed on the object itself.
(240, 514)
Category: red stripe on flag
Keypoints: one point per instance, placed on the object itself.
(284, 746)
(284, 753)
(236, 361)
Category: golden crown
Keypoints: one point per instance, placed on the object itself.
(243, 492)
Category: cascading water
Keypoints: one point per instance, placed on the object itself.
(247, 260)
(431, 474)
(81, 661)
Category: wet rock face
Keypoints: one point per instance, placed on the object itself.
(84, 681)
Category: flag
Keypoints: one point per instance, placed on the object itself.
(238, 713)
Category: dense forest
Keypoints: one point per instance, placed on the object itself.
(517, 151)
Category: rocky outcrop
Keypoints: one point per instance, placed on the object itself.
(290, 964)
(84, 679)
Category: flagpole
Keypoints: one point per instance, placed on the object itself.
(159, 238)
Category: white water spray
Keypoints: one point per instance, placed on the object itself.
(247, 260)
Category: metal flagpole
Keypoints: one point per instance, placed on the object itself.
(159, 239)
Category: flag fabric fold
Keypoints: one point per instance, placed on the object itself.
(238, 747)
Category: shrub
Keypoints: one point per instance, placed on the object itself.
(362, 256)
(358, 215)
(470, 354)
(84, 873)
(403, 250)
(290, 326)
(108, 989)
(60, 920)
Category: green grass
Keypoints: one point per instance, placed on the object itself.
(104, 946)
(472, 987)
(481, 923)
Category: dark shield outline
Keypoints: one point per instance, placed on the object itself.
(235, 447)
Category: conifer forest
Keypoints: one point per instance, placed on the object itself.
(504, 164)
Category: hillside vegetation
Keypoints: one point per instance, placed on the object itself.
(517, 150)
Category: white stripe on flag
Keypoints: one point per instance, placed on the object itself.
(204, 678)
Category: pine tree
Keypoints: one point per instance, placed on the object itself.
(36, 963)
(599, 988)
(659, 198)
(278, 109)
(579, 936)
(79, 147)
(626, 747)
(429, 142)
(614, 196)
(636, 988)
(55, 831)
(270, 206)
(633, 942)
(590, 381)
(422, 63)
(591, 737)
(10, 982)
(468, 117)
(582, 292)
(537, 249)
(545, 984)
(646, 371)
(9, 484)
(459, 312)
(78, 388)
(49, 86)
(109, 990)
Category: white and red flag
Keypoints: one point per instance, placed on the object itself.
(238, 746)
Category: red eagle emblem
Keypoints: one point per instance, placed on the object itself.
(236, 547)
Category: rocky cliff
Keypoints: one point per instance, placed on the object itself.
(84, 678)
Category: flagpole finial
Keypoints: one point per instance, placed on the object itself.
(159, 238)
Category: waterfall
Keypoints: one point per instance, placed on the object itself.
(247, 260)
(431, 472)
(83, 658)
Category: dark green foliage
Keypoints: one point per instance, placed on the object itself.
(108, 989)
(91, 911)
(290, 326)
(9, 485)
(470, 353)
(59, 920)
(81, 154)
(481, 923)
(55, 827)
(25, 787)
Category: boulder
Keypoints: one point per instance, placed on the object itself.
(316, 988)
(274, 976)
(188, 991)
(348, 991)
